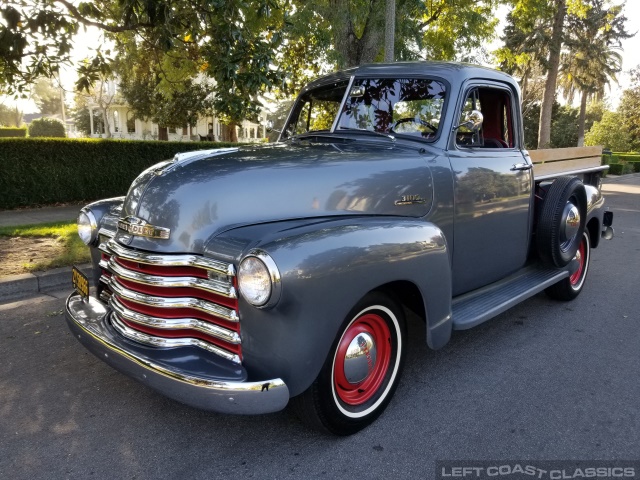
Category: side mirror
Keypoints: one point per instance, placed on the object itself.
(472, 121)
(269, 127)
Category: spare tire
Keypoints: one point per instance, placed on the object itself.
(561, 222)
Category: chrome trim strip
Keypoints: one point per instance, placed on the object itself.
(175, 323)
(106, 232)
(146, 339)
(168, 260)
(570, 172)
(334, 125)
(172, 302)
(215, 286)
(88, 324)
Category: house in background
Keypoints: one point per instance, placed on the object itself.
(123, 124)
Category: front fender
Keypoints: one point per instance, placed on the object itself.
(325, 269)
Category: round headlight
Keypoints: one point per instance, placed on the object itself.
(87, 227)
(259, 279)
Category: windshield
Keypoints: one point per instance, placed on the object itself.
(404, 106)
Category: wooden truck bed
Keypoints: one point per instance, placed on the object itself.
(552, 162)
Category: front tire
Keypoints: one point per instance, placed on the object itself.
(362, 370)
(569, 288)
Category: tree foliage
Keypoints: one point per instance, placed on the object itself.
(47, 96)
(629, 109)
(10, 117)
(576, 38)
(244, 46)
(610, 132)
(234, 42)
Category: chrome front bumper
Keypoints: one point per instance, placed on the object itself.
(210, 389)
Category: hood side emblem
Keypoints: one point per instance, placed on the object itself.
(410, 200)
(139, 227)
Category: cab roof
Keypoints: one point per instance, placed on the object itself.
(453, 73)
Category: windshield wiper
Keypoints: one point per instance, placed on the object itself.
(371, 132)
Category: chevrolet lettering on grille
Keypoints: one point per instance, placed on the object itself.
(139, 227)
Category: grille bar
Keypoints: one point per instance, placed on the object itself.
(175, 323)
(152, 340)
(172, 302)
(168, 260)
(215, 286)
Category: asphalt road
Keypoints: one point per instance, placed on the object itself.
(546, 380)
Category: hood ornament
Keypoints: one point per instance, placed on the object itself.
(139, 227)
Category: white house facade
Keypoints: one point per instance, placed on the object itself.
(123, 124)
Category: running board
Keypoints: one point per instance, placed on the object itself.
(480, 305)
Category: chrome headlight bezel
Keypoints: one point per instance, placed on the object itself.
(87, 227)
(272, 293)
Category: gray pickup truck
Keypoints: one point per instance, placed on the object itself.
(238, 280)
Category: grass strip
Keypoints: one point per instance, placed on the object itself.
(72, 249)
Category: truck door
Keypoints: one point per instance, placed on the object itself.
(492, 189)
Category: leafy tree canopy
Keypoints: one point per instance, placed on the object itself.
(245, 47)
(233, 42)
(610, 132)
(629, 109)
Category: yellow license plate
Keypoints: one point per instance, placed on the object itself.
(80, 282)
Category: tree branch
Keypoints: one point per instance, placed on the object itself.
(73, 11)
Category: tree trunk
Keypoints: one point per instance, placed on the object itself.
(390, 31)
(233, 133)
(544, 133)
(581, 119)
(229, 133)
(105, 119)
(353, 50)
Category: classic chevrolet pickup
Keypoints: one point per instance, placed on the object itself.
(236, 280)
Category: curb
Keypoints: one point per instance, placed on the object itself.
(16, 287)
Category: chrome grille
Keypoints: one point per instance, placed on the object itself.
(172, 300)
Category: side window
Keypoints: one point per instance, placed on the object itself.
(316, 115)
(496, 107)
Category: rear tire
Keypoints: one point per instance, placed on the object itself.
(570, 287)
(361, 372)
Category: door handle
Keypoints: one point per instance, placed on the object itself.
(521, 166)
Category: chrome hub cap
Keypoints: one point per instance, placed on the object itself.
(360, 358)
(572, 221)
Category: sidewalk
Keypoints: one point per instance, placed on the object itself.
(27, 216)
(16, 290)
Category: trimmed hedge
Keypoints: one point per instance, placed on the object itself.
(13, 132)
(36, 172)
(622, 163)
(47, 127)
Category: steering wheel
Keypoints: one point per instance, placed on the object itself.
(414, 120)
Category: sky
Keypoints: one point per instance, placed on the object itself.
(92, 38)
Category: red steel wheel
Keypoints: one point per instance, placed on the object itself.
(362, 359)
(570, 287)
(361, 371)
(581, 258)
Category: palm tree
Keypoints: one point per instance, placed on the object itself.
(592, 58)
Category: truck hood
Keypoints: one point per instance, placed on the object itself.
(201, 194)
